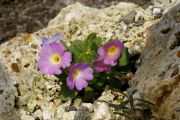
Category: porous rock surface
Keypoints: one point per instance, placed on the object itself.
(31, 95)
(158, 77)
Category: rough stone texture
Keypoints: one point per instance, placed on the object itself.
(37, 94)
(158, 78)
(35, 14)
(7, 91)
(102, 112)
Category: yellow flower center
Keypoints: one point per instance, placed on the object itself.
(112, 50)
(75, 73)
(55, 59)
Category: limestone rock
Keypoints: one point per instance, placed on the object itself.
(19, 56)
(69, 115)
(102, 112)
(20, 81)
(158, 78)
(107, 96)
(7, 91)
(83, 113)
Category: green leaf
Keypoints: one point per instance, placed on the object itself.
(88, 94)
(86, 50)
(67, 94)
(78, 46)
(93, 42)
(96, 43)
(100, 83)
(115, 83)
(124, 59)
(62, 77)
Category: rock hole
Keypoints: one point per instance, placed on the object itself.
(178, 54)
(34, 46)
(27, 65)
(37, 118)
(15, 67)
(175, 72)
(165, 30)
(16, 102)
(173, 116)
(1, 91)
(177, 34)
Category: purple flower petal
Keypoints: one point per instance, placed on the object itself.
(67, 58)
(79, 73)
(111, 52)
(55, 38)
(80, 84)
(45, 67)
(87, 74)
(109, 61)
(45, 51)
(54, 70)
(52, 57)
(57, 47)
(44, 40)
(100, 66)
(70, 82)
(101, 51)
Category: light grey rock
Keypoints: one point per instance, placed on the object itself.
(90, 106)
(158, 77)
(7, 91)
(69, 115)
(37, 114)
(107, 96)
(60, 110)
(83, 113)
(25, 116)
(77, 102)
(129, 18)
(102, 112)
(157, 12)
(31, 105)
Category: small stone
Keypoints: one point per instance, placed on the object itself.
(69, 115)
(107, 96)
(46, 113)
(157, 12)
(31, 105)
(129, 18)
(40, 96)
(102, 112)
(88, 105)
(77, 102)
(82, 113)
(24, 116)
(57, 102)
(59, 112)
(37, 114)
(130, 75)
(49, 86)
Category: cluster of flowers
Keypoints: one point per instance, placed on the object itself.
(54, 57)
